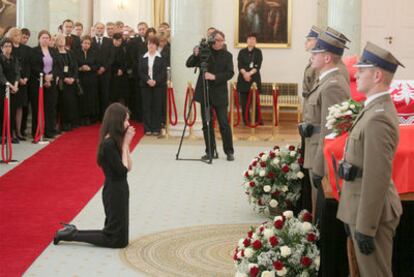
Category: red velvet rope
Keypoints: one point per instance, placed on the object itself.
(275, 94)
(40, 117)
(171, 103)
(259, 110)
(237, 104)
(187, 97)
(6, 132)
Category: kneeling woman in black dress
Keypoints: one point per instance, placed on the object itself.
(114, 159)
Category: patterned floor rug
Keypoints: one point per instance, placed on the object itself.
(187, 252)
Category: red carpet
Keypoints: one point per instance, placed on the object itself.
(50, 187)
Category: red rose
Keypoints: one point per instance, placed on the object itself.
(291, 147)
(254, 271)
(276, 147)
(257, 244)
(235, 256)
(250, 234)
(300, 151)
(246, 174)
(250, 167)
(252, 184)
(263, 164)
(307, 217)
(311, 237)
(285, 168)
(306, 261)
(272, 155)
(242, 253)
(301, 161)
(276, 194)
(246, 242)
(278, 265)
(260, 202)
(254, 163)
(261, 154)
(271, 175)
(261, 229)
(278, 224)
(273, 241)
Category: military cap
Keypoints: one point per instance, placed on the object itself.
(336, 34)
(326, 43)
(314, 32)
(373, 55)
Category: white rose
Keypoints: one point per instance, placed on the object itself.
(300, 175)
(262, 173)
(292, 153)
(273, 203)
(276, 161)
(264, 158)
(250, 172)
(248, 252)
(268, 233)
(288, 214)
(352, 106)
(285, 251)
(306, 227)
(268, 274)
(348, 113)
(278, 218)
(281, 272)
(239, 274)
(317, 261)
(267, 188)
(240, 244)
(253, 265)
(284, 188)
(254, 237)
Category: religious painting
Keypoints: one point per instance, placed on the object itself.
(7, 15)
(270, 20)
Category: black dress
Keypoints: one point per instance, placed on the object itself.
(68, 98)
(119, 84)
(22, 54)
(115, 197)
(88, 101)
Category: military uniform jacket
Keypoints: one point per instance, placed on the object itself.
(310, 77)
(373, 139)
(332, 89)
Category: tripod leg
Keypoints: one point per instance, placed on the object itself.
(185, 128)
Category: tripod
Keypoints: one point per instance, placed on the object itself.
(206, 103)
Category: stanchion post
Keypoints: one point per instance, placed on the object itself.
(253, 112)
(41, 127)
(232, 97)
(167, 112)
(274, 89)
(190, 101)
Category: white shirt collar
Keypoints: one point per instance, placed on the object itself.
(157, 54)
(323, 74)
(374, 96)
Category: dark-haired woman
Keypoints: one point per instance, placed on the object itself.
(114, 158)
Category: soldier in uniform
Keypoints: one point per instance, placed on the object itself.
(309, 79)
(369, 204)
(342, 38)
(331, 88)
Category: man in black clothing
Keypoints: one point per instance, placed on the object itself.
(136, 48)
(219, 71)
(72, 42)
(103, 48)
(249, 63)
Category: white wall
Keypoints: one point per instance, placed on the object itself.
(279, 65)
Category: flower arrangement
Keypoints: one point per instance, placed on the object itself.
(285, 246)
(273, 179)
(341, 116)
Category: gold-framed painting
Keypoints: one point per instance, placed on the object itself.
(270, 20)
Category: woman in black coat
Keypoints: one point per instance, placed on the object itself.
(114, 158)
(88, 65)
(249, 64)
(9, 76)
(46, 60)
(67, 86)
(153, 82)
(119, 79)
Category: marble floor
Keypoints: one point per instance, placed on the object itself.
(164, 194)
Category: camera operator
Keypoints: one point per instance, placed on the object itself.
(219, 71)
